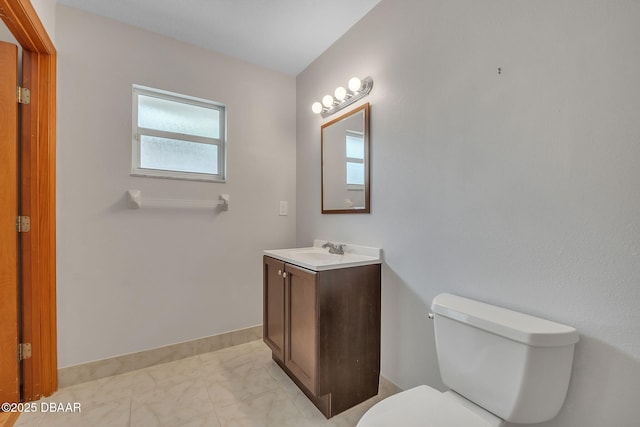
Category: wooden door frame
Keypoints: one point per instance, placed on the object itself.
(38, 198)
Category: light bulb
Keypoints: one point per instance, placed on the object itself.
(341, 93)
(316, 107)
(354, 84)
(327, 101)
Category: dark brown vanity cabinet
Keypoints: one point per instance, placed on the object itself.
(323, 328)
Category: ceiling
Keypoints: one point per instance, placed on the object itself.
(283, 35)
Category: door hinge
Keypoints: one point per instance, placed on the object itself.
(24, 351)
(23, 224)
(24, 95)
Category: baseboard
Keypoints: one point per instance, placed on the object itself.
(91, 371)
(387, 388)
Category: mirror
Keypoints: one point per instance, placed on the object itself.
(345, 163)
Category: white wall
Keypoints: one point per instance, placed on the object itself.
(527, 181)
(130, 280)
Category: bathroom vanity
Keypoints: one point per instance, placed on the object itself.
(322, 322)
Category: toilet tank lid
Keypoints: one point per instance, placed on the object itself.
(517, 326)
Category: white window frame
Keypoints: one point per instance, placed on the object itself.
(137, 170)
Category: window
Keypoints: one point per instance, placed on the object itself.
(355, 160)
(177, 136)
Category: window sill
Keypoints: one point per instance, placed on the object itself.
(184, 176)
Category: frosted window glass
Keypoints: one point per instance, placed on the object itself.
(176, 155)
(355, 173)
(177, 117)
(177, 136)
(355, 146)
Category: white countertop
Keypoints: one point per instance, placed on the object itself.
(317, 258)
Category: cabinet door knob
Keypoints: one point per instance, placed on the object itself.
(279, 272)
(284, 274)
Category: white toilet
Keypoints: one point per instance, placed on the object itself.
(501, 365)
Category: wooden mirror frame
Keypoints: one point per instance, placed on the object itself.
(367, 191)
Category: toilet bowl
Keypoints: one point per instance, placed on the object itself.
(501, 366)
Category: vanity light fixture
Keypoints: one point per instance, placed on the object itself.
(357, 89)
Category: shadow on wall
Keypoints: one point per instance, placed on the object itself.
(602, 386)
(408, 344)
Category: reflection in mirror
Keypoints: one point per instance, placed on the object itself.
(345, 163)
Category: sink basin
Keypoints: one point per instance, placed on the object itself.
(317, 258)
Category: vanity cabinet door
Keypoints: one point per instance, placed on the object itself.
(301, 349)
(274, 306)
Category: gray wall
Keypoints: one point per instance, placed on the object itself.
(130, 280)
(519, 189)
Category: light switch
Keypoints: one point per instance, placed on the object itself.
(284, 207)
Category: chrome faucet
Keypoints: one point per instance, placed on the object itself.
(334, 248)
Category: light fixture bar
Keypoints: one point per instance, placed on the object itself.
(352, 95)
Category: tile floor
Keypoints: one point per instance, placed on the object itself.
(238, 386)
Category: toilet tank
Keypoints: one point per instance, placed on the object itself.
(511, 364)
